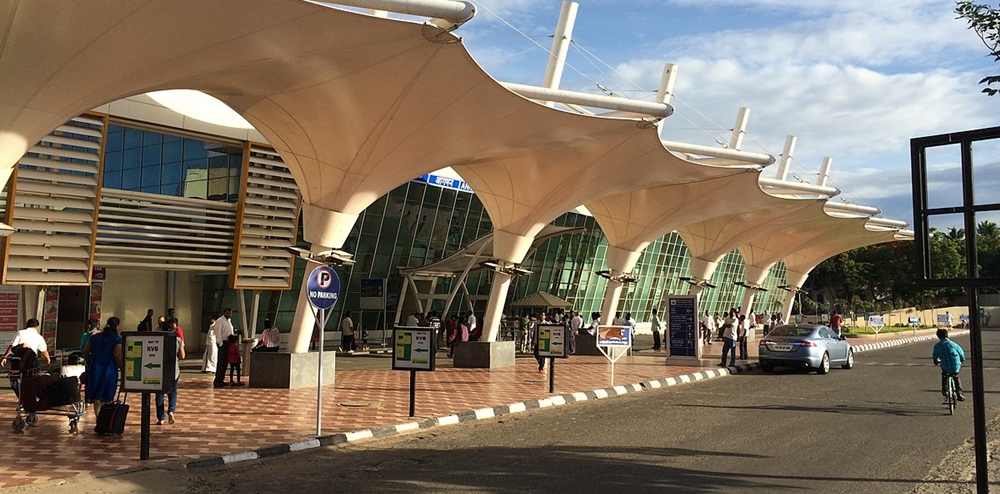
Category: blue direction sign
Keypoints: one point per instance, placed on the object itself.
(323, 287)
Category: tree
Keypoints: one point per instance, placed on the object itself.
(985, 22)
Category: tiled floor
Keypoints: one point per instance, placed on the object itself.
(212, 422)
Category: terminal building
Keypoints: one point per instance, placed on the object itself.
(443, 188)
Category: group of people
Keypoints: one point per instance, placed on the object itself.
(734, 330)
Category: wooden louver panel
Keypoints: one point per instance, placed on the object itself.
(52, 202)
(267, 223)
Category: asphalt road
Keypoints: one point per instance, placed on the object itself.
(877, 428)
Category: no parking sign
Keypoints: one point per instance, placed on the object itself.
(323, 287)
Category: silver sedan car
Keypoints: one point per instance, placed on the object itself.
(812, 346)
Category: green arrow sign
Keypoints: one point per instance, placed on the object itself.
(420, 350)
(152, 366)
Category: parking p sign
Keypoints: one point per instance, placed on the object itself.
(323, 287)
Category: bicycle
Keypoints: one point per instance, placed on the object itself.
(950, 393)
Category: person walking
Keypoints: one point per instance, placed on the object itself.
(729, 339)
(93, 327)
(347, 343)
(167, 413)
(27, 338)
(656, 330)
(208, 359)
(223, 330)
(575, 323)
(707, 328)
(836, 321)
(104, 356)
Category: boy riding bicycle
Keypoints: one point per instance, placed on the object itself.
(950, 356)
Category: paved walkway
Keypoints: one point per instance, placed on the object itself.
(214, 422)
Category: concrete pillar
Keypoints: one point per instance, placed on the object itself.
(508, 248)
(323, 229)
(612, 294)
(795, 280)
(495, 305)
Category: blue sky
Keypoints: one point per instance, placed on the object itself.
(852, 79)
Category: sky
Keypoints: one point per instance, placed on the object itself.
(853, 80)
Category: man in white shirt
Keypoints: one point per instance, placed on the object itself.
(656, 330)
(729, 338)
(472, 322)
(412, 320)
(707, 328)
(30, 338)
(223, 330)
(618, 321)
(27, 338)
(575, 323)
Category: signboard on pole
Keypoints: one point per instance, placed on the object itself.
(914, 321)
(551, 340)
(413, 349)
(682, 326)
(150, 361)
(372, 294)
(323, 287)
(876, 321)
(618, 336)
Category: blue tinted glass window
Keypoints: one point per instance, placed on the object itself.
(130, 180)
(112, 161)
(113, 180)
(133, 138)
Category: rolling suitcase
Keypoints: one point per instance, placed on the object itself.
(111, 419)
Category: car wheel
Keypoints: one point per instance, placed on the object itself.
(850, 360)
(824, 365)
(766, 367)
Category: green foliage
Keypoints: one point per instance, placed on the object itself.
(985, 22)
(880, 277)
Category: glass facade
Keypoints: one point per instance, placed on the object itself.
(141, 160)
(414, 225)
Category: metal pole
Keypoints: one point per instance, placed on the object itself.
(552, 375)
(978, 395)
(319, 374)
(144, 428)
(413, 391)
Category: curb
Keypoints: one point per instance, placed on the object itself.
(467, 416)
(867, 347)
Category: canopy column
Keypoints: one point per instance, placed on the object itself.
(795, 282)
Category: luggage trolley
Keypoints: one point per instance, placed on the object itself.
(40, 393)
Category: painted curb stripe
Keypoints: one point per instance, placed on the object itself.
(501, 410)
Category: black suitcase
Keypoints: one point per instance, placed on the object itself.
(34, 392)
(63, 391)
(111, 419)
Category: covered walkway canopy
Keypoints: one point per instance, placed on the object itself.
(357, 105)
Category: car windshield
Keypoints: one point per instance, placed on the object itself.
(791, 330)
